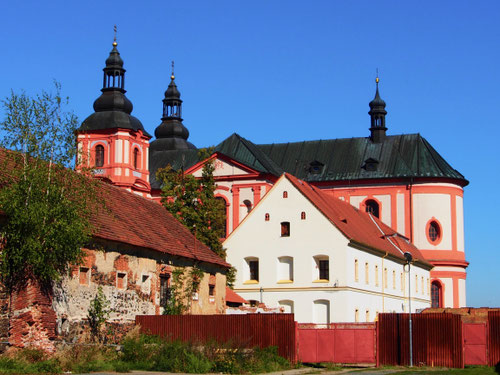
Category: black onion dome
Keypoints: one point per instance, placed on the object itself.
(113, 109)
(172, 128)
(377, 101)
(114, 60)
(113, 101)
(172, 91)
(171, 134)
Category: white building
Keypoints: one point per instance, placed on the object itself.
(316, 256)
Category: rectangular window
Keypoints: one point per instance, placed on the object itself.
(367, 280)
(121, 280)
(385, 278)
(254, 269)
(146, 284)
(84, 276)
(416, 283)
(393, 279)
(376, 275)
(211, 290)
(285, 229)
(324, 269)
(356, 273)
(164, 289)
(423, 288)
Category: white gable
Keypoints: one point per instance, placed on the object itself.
(223, 168)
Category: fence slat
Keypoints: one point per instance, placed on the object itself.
(249, 330)
(436, 340)
(494, 337)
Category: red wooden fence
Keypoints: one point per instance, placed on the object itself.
(494, 337)
(352, 343)
(247, 330)
(437, 340)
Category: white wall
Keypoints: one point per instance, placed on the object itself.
(314, 236)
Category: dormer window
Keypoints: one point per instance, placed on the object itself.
(99, 156)
(370, 165)
(316, 167)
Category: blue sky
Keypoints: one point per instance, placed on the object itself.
(278, 71)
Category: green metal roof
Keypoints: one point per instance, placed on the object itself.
(398, 156)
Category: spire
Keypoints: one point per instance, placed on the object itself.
(114, 74)
(377, 114)
(171, 134)
(112, 108)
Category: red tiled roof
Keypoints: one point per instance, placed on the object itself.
(134, 220)
(356, 225)
(232, 296)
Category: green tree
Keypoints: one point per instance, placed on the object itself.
(97, 314)
(191, 201)
(46, 205)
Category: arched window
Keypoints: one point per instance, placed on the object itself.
(302, 215)
(436, 294)
(434, 232)
(99, 156)
(285, 194)
(372, 207)
(136, 157)
(223, 219)
(267, 217)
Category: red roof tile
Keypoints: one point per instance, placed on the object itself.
(232, 296)
(358, 226)
(131, 219)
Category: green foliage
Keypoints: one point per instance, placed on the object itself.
(182, 288)
(46, 205)
(154, 354)
(176, 304)
(192, 202)
(97, 314)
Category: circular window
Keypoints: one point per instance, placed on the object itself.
(434, 232)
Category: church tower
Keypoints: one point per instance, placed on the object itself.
(377, 114)
(111, 140)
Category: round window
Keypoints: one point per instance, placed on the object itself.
(434, 232)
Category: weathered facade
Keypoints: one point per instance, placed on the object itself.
(131, 260)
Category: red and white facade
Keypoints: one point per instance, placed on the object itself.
(117, 155)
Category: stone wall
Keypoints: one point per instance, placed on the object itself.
(130, 281)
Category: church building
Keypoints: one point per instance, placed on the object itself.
(400, 179)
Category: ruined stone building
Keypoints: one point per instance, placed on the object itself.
(136, 246)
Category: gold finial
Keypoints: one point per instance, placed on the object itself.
(172, 76)
(377, 79)
(114, 39)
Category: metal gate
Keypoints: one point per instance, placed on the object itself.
(346, 343)
(475, 344)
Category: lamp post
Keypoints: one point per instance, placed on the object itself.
(409, 259)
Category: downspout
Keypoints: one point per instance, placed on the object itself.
(383, 282)
(411, 210)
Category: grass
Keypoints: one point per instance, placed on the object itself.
(147, 353)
